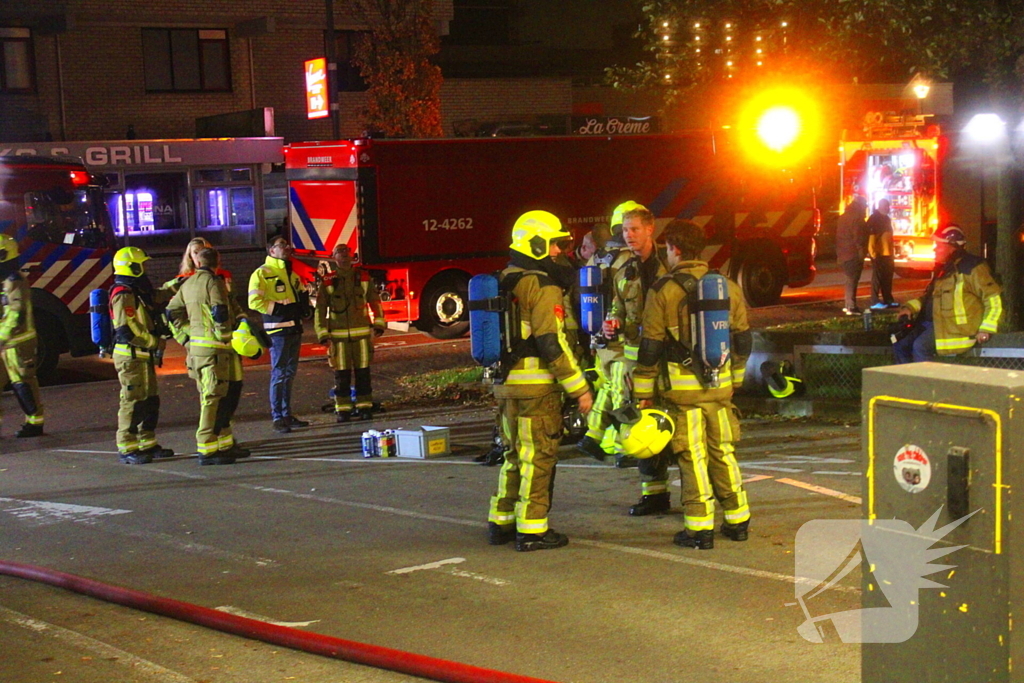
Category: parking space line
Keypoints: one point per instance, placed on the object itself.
(238, 612)
(822, 490)
(429, 565)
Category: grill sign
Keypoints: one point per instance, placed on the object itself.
(316, 89)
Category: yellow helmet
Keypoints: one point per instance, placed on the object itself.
(780, 379)
(648, 436)
(244, 342)
(128, 261)
(8, 248)
(621, 209)
(534, 232)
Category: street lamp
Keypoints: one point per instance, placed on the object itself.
(986, 129)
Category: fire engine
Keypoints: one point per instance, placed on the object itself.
(929, 176)
(55, 209)
(425, 215)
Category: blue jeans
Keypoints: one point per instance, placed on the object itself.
(284, 363)
(918, 346)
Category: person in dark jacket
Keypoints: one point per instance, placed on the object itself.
(850, 242)
(880, 248)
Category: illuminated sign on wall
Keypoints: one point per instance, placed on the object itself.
(317, 101)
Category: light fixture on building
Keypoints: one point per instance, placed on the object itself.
(785, 24)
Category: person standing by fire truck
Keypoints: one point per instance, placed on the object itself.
(343, 325)
(880, 248)
(18, 339)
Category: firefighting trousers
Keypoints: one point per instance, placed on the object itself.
(19, 362)
(219, 381)
(614, 393)
(532, 428)
(139, 409)
(704, 448)
(346, 356)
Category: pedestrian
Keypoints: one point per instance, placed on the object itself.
(530, 397)
(202, 310)
(18, 339)
(880, 248)
(139, 339)
(850, 238)
(276, 292)
(343, 324)
(189, 265)
(706, 426)
(969, 303)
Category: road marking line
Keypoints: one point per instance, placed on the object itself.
(842, 474)
(429, 565)
(108, 652)
(494, 581)
(70, 450)
(770, 468)
(45, 512)
(756, 477)
(238, 612)
(821, 489)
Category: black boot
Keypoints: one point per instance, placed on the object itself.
(500, 534)
(135, 458)
(701, 540)
(651, 505)
(625, 462)
(737, 532)
(159, 452)
(344, 416)
(590, 446)
(238, 452)
(549, 540)
(218, 458)
(29, 430)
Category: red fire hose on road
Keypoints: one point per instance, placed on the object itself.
(314, 643)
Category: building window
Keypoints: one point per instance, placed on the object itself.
(188, 60)
(225, 206)
(17, 68)
(349, 78)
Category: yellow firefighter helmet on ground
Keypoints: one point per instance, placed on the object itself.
(780, 379)
(534, 232)
(648, 436)
(8, 248)
(128, 261)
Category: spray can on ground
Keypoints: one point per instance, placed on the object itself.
(868, 319)
(387, 444)
(371, 448)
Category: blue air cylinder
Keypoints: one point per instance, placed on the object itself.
(591, 300)
(484, 320)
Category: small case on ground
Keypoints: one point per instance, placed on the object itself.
(423, 442)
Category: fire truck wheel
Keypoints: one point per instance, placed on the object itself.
(762, 277)
(48, 337)
(444, 313)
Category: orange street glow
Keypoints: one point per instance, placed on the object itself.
(779, 126)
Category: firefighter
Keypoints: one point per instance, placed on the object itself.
(18, 339)
(276, 292)
(139, 339)
(633, 276)
(706, 426)
(969, 300)
(530, 398)
(203, 311)
(610, 258)
(343, 324)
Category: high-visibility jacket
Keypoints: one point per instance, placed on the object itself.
(202, 309)
(341, 306)
(628, 294)
(965, 300)
(133, 321)
(274, 291)
(17, 324)
(660, 358)
(547, 362)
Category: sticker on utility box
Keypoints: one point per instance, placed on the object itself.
(912, 468)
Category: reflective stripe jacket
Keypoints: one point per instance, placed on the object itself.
(627, 304)
(341, 306)
(541, 316)
(203, 310)
(965, 300)
(134, 326)
(274, 291)
(662, 326)
(17, 323)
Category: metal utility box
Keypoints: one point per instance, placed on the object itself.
(423, 442)
(944, 436)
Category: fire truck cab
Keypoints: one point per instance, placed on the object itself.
(56, 211)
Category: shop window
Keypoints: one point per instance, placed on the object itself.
(151, 212)
(186, 60)
(17, 68)
(225, 206)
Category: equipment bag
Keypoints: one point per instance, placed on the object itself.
(706, 307)
(591, 300)
(101, 327)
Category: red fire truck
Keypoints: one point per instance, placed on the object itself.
(426, 215)
(55, 209)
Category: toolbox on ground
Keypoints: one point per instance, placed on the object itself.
(423, 442)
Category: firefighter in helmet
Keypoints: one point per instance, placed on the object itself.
(139, 339)
(706, 426)
(530, 398)
(343, 324)
(18, 339)
(204, 311)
